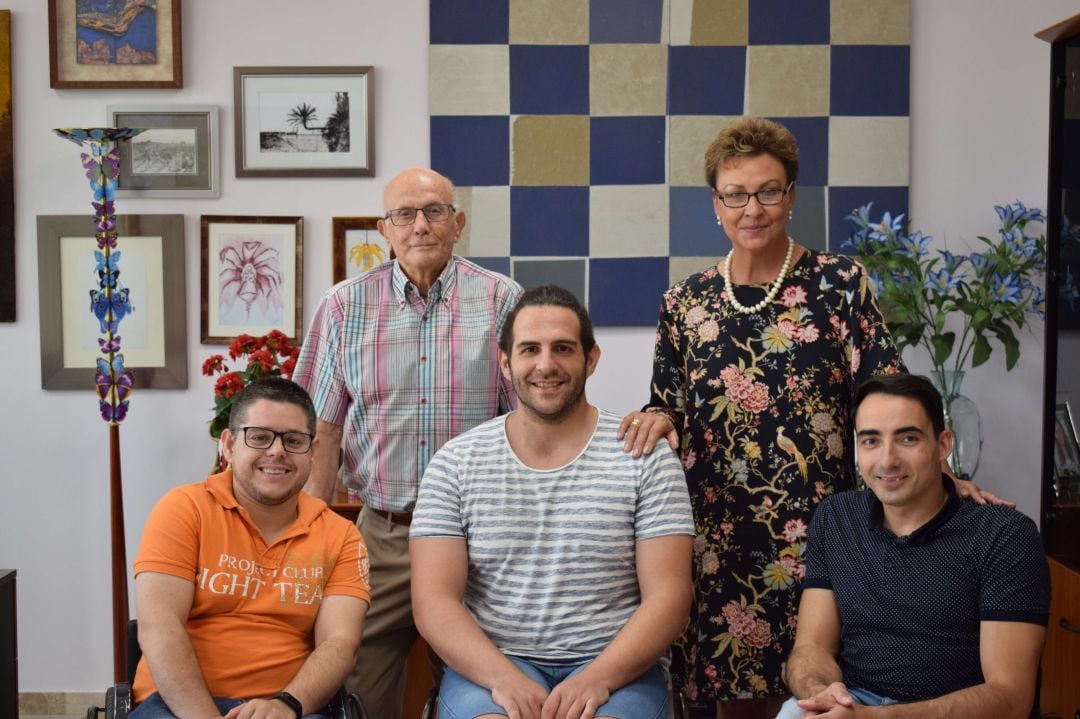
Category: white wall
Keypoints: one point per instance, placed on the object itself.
(978, 137)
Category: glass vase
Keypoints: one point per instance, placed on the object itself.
(962, 417)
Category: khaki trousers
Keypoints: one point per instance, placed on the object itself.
(389, 629)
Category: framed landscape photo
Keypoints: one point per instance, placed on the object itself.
(252, 276)
(304, 121)
(176, 155)
(152, 269)
(358, 246)
(100, 44)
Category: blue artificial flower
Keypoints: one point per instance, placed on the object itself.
(876, 285)
(941, 282)
(1038, 302)
(888, 228)
(1007, 288)
(916, 244)
(981, 262)
(952, 262)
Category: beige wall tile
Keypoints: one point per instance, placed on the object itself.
(549, 22)
(788, 80)
(628, 220)
(487, 226)
(689, 136)
(680, 20)
(870, 22)
(550, 150)
(870, 151)
(628, 79)
(469, 79)
(679, 268)
(720, 22)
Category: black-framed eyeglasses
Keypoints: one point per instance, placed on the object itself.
(765, 196)
(263, 438)
(437, 212)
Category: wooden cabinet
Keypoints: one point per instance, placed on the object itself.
(1060, 695)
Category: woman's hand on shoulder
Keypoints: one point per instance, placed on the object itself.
(643, 430)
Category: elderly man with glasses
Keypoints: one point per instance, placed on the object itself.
(399, 360)
(250, 595)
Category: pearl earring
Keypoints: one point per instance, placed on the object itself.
(719, 221)
(789, 215)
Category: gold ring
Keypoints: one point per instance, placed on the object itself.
(635, 421)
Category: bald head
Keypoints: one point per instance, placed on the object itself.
(418, 179)
(424, 247)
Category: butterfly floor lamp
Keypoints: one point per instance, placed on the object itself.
(110, 303)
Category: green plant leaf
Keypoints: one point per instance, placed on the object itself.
(943, 344)
(982, 350)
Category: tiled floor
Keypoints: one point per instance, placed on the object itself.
(57, 705)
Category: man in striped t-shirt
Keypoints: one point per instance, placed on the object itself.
(551, 569)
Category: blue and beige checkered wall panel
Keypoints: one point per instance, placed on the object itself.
(575, 130)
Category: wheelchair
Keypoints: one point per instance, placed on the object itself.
(118, 696)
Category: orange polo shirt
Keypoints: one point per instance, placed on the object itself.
(253, 614)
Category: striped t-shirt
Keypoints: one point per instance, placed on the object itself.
(551, 552)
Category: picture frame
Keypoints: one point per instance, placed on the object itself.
(176, 155)
(154, 334)
(84, 44)
(276, 109)
(1066, 445)
(252, 276)
(7, 174)
(358, 246)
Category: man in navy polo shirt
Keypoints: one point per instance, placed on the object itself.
(916, 604)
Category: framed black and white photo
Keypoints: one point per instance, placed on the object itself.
(304, 121)
(1066, 445)
(176, 155)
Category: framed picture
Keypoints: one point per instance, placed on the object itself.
(252, 276)
(176, 155)
(100, 44)
(7, 175)
(304, 121)
(1066, 447)
(358, 246)
(152, 265)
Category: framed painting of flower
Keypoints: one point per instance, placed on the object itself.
(252, 276)
(358, 246)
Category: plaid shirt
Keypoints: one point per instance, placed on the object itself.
(403, 375)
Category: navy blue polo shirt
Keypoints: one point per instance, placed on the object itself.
(910, 606)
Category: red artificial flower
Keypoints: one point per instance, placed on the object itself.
(262, 359)
(287, 367)
(276, 341)
(213, 364)
(228, 384)
(245, 344)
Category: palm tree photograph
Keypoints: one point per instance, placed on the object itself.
(304, 122)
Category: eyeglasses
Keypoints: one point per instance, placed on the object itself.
(403, 216)
(766, 196)
(263, 438)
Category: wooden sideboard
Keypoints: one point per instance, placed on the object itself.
(1060, 693)
(9, 650)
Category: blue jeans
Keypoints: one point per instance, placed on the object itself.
(644, 698)
(791, 710)
(155, 708)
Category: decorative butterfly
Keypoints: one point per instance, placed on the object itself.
(113, 414)
(112, 345)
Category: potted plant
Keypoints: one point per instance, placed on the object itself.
(270, 355)
(956, 306)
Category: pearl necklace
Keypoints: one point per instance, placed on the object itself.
(769, 296)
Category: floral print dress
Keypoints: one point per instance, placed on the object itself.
(762, 401)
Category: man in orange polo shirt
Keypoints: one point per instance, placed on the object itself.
(250, 593)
